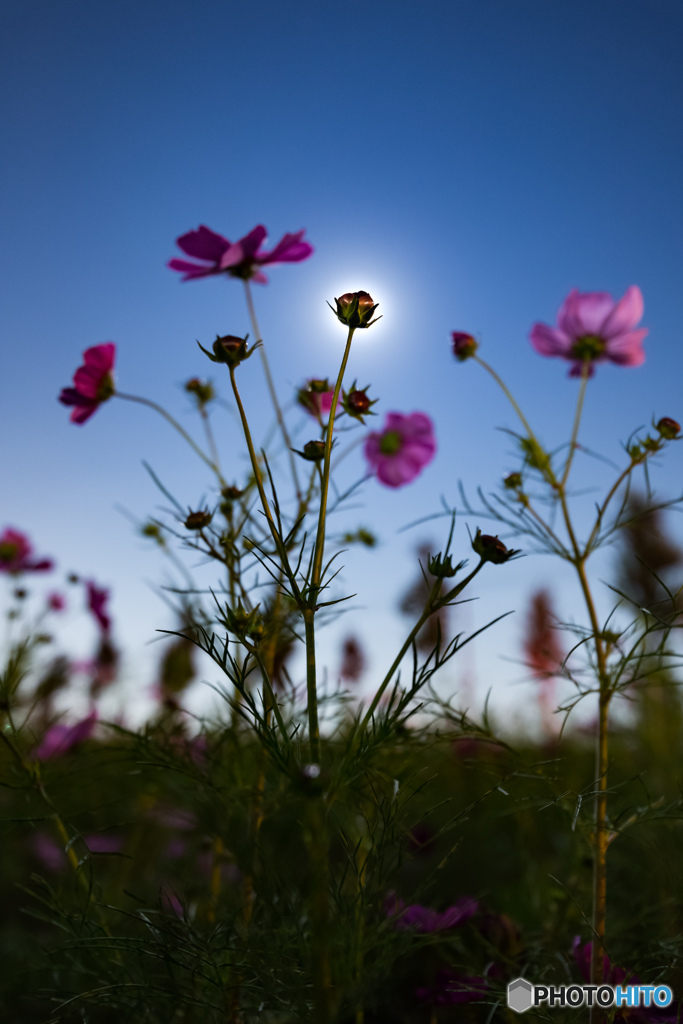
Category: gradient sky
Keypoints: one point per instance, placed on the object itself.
(468, 165)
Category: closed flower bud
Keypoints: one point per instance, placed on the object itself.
(357, 403)
(231, 493)
(668, 428)
(229, 349)
(355, 309)
(198, 520)
(491, 549)
(243, 623)
(442, 568)
(314, 451)
(202, 390)
(513, 481)
(464, 345)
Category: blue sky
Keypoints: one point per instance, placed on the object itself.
(468, 165)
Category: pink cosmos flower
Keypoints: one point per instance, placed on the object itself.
(400, 451)
(424, 919)
(97, 604)
(56, 602)
(98, 842)
(243, 258)
(93, 382)
(316, 397)
(60, 738)
(593, 328)
(15, 554)
(48, 852)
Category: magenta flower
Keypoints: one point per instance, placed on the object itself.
(593, 328)
(97, 604)
(613, 975)
(243, 258)
(93, 382)
(100, 843)
(316, 397)
(400, 451)
(423, 919)
(15, 554)
(61, 738)
(56, 602)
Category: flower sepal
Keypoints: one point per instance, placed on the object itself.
(230, 349)
(441, 566)
(357, 403)
(492, 549)
(355, 309)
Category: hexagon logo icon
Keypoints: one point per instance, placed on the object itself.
(520, 995)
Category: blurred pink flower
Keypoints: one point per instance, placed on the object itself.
(56, 602)
(48, 852)
(400, 451)
(93, 382)
(170, 903)
(353, 660)
(316, 397)
(15, 554)
(100, 843)
(97, 604)
(238, 259)
(424, 919)
(593, 328)
(61, 738)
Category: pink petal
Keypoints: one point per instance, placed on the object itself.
(626, 314)
(548, 341)
(83, 414)
(584, 313)
(627, 349)
(204, 244)
(290, 249)
(192, 270)
(101, 357)
(245, 249)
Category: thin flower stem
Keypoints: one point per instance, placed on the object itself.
(311, 686)
(271, 387)
(585, 372)
(508, 394)
(433, 605)
(316, 571)
(210, 438)
(259, 484)
(174, 423)
(603, 508)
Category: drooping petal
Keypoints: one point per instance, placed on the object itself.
(204, 244)
(626, 314)
(548, 341)
(584, 313)
(83, 414)
(192, 270)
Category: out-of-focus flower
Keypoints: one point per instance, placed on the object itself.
(48, 851)
(353, 660)
(97, 598)
(15, 554)
(424, 919)
(60, 738)
(242, 259)
(170, 902)
(450, 989)
(202, 391)
(401, 450)
(613, 975)
(98, 842)
(316, 396)
(543, 653)
(198, 520)
(56, 602)
(593, 328)
(355, 309)
(93, 382)
(104, 666)
(464, 345)
(668, 428)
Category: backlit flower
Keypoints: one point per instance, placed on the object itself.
(400, 451)
(593, 328)
(15, 554)
(243, 258)
(60, 738)
(93, 382)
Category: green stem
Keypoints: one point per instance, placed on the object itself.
(311, 686)
(433, 605)
(510, 397)
(316, 571)
(271, 387)
(174, 423)
(577, 420)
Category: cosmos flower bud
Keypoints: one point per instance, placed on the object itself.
(464, 345)
(198, 520)
(314, 451)
(243, 623)
(491, 549)
(357, 403)
(668, 428)
(202, 390)
(355, 309)
(229, 349)
(513, 481)
(316, 396)
(442, 568)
